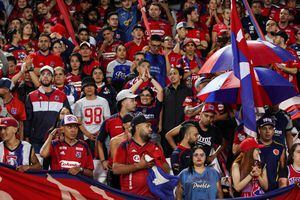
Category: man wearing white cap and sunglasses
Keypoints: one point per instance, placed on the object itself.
(70, 154)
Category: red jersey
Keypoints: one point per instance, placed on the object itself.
(290, 31)
(40, 60)
(88, 66)
(130, 153)
(74, 80)
(109, 54)
(29, 44)
(220, 27)
(192, 101)
(16, 108)
(132, 48)
(64, 156)
(130, 83)
(196, 35)
(293, 175)
(173, 58)
(159, 27)
(19, 52)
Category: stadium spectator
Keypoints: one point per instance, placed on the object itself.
(77, 158)
(180, 157)
(75, 68)
(193, 179)
(284, 25)
(89, 63)
(150, 104)
(91, 111)
(273, 154)
(293, 165)
(112, 179)
(173, 111)
(15, 152)
(13, 105)
(118, 69)
(105, 90)
(42, 107)
(248, 174)
(209, 135)
(131, 159)
(271, 29)
(137, 43)
(113, 126)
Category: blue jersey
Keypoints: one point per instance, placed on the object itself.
(127, 20)
(199, 186)
(270, 155)
(180, 159)
(158, 67)
(283, 124)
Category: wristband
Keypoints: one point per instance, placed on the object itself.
(81, 169)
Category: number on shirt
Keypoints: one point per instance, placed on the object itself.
(93, 115)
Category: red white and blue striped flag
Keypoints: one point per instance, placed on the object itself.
(243, 71)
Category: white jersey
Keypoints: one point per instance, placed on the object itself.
(92, 113)
(19, 156)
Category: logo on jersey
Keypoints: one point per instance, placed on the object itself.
(136, 158)
(276, 152)
(134, 151)
(78, 154)
(11, 160)
(68, 164)
(13, 111)
(79, 149)
(56, 98)
(62, 147)
(62, 153)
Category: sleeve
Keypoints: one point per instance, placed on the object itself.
(70, 45)
(77, 109)
(106, 112)
(289, 125)
(103, 132)
(175, 162)
(109, 70)
(29, 114)
(87, 162)
(66, 103)
(120, 156)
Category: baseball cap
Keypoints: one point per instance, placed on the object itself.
(248, 144)
(123, 94)
(181, 25)
(188, 40)
(85, 43)
(266, 120)
(8, 121)
(208, 107)
(47, 67)
(139, 119)
(6, 83)
(127, 118)
(69, 119)
(139, 26)
(88, 81)
(201, 80)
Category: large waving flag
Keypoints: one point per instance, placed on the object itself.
(243, 71)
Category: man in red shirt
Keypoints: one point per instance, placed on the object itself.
(70, 154)
(137, 43)
(135, 156)
(88, 62)
(157, 25)
(12, 104)
(284, 25)
(44, 56)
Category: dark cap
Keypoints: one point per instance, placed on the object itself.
(127, 118)
(105, 28)
(266, 120)
(283, 35)
(139, 26)
(139, 119)
(6, 83)
(88, 81)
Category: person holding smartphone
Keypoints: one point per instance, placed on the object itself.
(248, 175)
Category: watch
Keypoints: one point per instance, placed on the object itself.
(81, 169)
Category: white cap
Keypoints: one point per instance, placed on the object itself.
(47, 67)
(123, 94)
(181, 25)
(69, 119)
(85, 43)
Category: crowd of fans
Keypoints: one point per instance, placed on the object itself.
(127, 96)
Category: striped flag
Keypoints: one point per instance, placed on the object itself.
(243, 71)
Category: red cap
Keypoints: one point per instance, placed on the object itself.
(59, 28)
(8, 121)
(208, 107)
(250, 143)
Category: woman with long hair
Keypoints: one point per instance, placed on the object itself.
(75, 67)
(199, 181)
(28, 37)
(104, 89)
(249, 176)
(293, 162)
